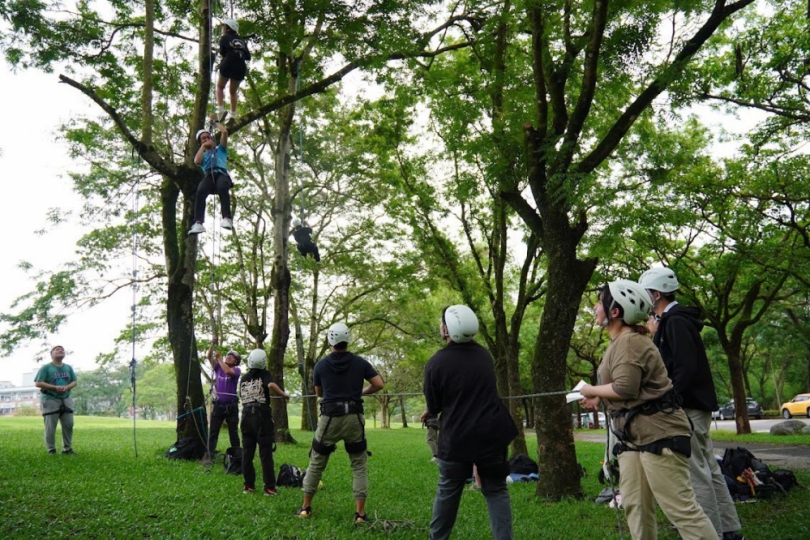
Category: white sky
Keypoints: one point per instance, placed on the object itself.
(33, 180)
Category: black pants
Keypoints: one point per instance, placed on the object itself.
(257, 428)
(219, 183)
(309, 248)
(224, 412)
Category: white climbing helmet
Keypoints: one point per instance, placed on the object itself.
(338, 333)
(257, 359)
(461, 323)
(232, 24)
(633, 298)
(200, 132)
(296, 222)
(659, 279)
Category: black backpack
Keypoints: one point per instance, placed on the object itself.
(290, 476)
(186, 448)
(233, 460)
(522, 464)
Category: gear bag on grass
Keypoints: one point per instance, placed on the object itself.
(290, 476)
(522, 464)
(233, 460)
(186, 448)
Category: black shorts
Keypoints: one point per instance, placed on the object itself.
(233, 67)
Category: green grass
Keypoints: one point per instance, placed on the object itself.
(105, 492)
(765, 438)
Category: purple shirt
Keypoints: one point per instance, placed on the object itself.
(225, 385)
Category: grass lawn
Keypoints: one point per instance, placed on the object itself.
(105, 492)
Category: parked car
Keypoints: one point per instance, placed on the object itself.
(726, 412)
(798, 405)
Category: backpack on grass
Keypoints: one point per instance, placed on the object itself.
(186, 448)
(290, 476)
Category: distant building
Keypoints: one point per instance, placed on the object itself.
(13, 397)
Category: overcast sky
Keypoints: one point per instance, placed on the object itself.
(33, 179)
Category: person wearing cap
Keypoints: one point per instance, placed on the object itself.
(475, 427)
(677, 336)
(233, 67)
(339, 381)
(303, 240)
(225, 406)
(255, 388)
(213, 159)
(55, 381)
(651, 427)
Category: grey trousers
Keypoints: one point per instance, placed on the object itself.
(348, 429)
(65, 419)
(707, 479)
(452, 478)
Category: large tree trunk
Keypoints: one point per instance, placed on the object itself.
(180, 263)
(567, 279)
(282, 209)
(732, 349)
(518, 445)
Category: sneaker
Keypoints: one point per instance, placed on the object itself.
(68, 452)
(51, 451)
(221, 113)
(305, 513)
(227, 223)
(360, 520)
(197, 228)
(433, 459)
(269, 492)
(248, 489)
(733, 535)
(232, 116)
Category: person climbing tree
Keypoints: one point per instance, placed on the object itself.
(303, 238)
(232, 67)
(213, 159)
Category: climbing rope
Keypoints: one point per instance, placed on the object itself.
(134, 363)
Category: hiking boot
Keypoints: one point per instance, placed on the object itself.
(197, 228)
(360, 520)
(227, 223)
(69, 451)
(270, 492)
(305, 513)
(248, 489)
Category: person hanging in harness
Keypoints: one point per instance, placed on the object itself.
(303, 239)
(255, 388)
(225, 406)
(646, 417)
(475, 426)
(213, 159)
(677, 336)
(338, 381)
(232, 68)
(55, 381)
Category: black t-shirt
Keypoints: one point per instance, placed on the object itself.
(253, 387)
(302, 236)
(342, 376)
(233, 46)
(460, 384)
